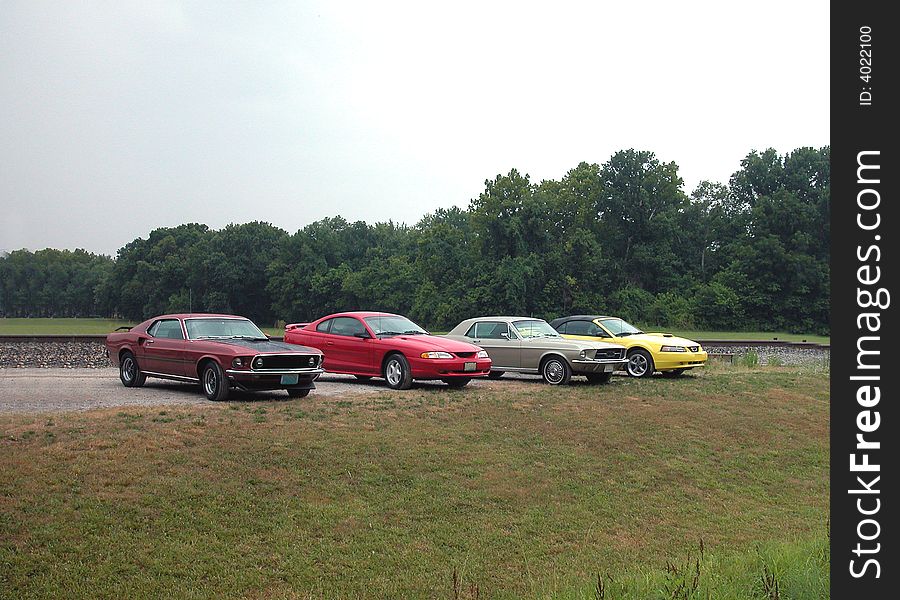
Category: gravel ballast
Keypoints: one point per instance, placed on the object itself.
(91, 354)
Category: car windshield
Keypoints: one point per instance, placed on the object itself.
(198, 329)
(619, 328)
(534, 328)
(394, 325)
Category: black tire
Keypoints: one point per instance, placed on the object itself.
(129, 371)
(640, 363)
(457, 382)
(363, 377)
(674, 373)
(295, 393)
(555, 370)
(397, 372)
(495, 374)
(598, 377)
(213, 382)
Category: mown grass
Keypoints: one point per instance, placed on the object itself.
(511, 489)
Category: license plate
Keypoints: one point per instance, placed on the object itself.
(470, 367)
(289, 379)
(608, 368)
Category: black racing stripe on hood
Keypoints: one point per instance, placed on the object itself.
(269, 346)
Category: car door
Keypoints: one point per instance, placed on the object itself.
(346, 348)
(164, 349)
(502, 344)
(584, 330)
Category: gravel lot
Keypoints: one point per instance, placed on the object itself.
(45, 376)
(46, 390)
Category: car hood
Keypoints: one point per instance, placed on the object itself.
(267, 346)
(425, 343)
(663, 339)
(565, 344)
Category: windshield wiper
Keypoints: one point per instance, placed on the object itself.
(248, 337)
(414, 332)
(389, 333)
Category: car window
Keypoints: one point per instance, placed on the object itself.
(491, 330)
(167, 328)
(583, 328)
(346, 326)
(471, 332)
(534, 328)
(324, 326)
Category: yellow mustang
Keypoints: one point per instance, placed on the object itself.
(647, 352)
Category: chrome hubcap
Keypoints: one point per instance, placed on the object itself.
(637, 365)
(394, 372)
(210, 381)
(128, 369)
(553, 371)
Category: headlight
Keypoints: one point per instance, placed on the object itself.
(673, 349)
(482, 354)
(258, 363)
(583, 354)
(238, 363)
(436, 355)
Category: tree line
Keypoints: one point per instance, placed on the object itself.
(620, 238)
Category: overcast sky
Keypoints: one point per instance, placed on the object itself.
(119, 117)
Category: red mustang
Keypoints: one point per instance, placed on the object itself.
(216, 351)
(374, 344)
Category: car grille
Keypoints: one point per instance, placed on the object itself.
(609, 354)
(693, 348)
(276, 362)
(465, 354)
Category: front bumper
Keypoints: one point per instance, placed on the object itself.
(666, 361)
(587, 365)
(448, 368)
(273, 380)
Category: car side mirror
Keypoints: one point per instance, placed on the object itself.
(505, 335)
(363, 335)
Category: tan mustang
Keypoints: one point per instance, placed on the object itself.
(528, 345)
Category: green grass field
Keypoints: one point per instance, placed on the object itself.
(89, 326)
(740, 335)
(508, 489)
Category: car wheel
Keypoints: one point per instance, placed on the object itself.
(556, 371)
(212, 378)
(598, 377)
(397, 372)
(129, 372)
(674, 373)
(640, 363)
(363, 377)
(294, 393)
(457, 382)
(495, 374)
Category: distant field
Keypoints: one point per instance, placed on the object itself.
(88, 326)
(740, 335)
(508, 489)
(73, 326)
(58, 326)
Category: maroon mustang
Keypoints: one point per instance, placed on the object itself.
(216, 351)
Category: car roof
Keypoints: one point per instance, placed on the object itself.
(361, 314)
(505, 318)
(197, 316)
(582, 318)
